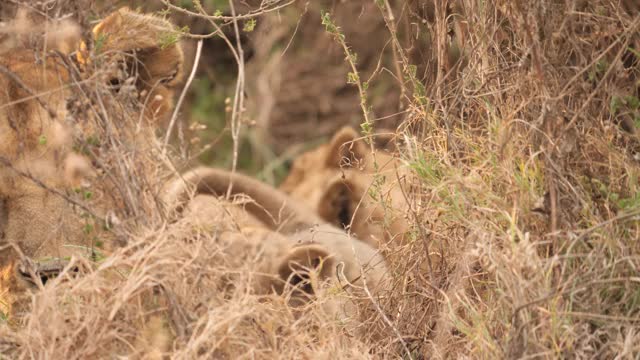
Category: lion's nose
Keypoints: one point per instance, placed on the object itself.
(43, 271)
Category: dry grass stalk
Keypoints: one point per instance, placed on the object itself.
(526, 183)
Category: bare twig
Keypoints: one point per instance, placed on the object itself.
(16, 79)
(196, 60)
(232, 18)
(238, 100)
(5, 162)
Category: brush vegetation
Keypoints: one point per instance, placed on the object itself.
(520, 130)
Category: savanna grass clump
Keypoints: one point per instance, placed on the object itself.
(524, 211)
(526, 159)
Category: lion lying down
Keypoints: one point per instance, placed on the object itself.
(299, 252)
(60, 201)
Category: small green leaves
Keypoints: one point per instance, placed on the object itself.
(169, 38)
(412, 70)
(352, 78)
(249, 25)
(330, 26)
(87, 229)
(42, 140)
(618, 102)
(367, 128)
(598, 70)
(633, 102)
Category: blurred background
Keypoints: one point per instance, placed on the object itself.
(296, 90)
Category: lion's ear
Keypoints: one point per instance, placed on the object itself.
(113, 21)
(344, 149)
(303, 266)
(338, 202)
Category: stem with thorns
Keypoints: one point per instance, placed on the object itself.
(354, 76)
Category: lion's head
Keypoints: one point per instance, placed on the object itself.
(348, 186)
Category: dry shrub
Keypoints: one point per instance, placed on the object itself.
(101, 314)
(524, 198)
(170, 288)
(529, 159)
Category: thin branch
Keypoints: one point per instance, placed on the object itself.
(196, 60)
(238, 101)
(234, 18)
(5, 162)
(16, 79)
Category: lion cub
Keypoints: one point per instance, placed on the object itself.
(294, 249)
(340, 182)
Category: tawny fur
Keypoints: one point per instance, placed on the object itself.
(39, 169)
(272, 207)
(335, 180)
(284, 235)
(148, 47)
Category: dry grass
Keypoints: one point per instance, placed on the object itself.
(526, 164)
(525, 198)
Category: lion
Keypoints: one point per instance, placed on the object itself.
(350, 186)
(57, 197)
(147, 48)
(54, 181)
(298, 252)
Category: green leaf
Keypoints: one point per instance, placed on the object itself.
(88, 228)
(615, 104)
(249, 25)
(352, 78)
(366, 128)
(100, 40)
(168, 38)
(412, 70)
(632, 101)
(629, 203)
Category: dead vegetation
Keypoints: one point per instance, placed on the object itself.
(523, 200)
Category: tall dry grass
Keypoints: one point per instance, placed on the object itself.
(524, 202)
(527, 160)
